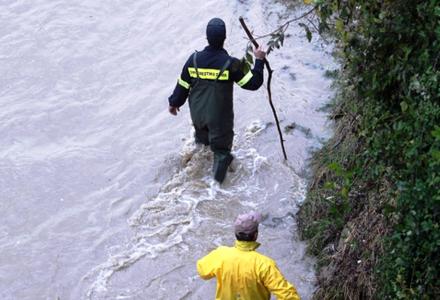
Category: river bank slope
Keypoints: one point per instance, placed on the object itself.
(372, 211)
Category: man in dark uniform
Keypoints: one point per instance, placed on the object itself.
(207, 78)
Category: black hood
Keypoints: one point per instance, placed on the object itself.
(216, 32)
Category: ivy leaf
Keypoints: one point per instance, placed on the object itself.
(436, 155)
(309, 35)
(269, 47)
(334, 166)
(344, 192)
(281, 39)
(330, 185)
(308, 32)
(436, 133)
(339, 26)
(404, 106)
(249, 58)
(245, 68)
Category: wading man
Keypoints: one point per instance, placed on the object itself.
(241, 272)
(207, 78)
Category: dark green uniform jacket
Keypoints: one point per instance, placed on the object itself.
(207, 78)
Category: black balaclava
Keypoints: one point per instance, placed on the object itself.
(216, 32)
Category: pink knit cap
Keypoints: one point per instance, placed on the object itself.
(247, 223)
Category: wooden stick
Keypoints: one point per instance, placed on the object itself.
(270, 71)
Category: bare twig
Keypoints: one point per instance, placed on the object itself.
(317, 30)
(284, 26)
(313, 24)
(270, 71)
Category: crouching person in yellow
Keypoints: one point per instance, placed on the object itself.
(241, 272)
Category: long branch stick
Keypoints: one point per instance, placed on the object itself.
(270, 71)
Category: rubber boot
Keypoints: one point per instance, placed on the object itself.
(221, 164)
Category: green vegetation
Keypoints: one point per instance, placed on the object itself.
(372, 212)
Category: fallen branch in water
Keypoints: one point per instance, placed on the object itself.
(270, 71)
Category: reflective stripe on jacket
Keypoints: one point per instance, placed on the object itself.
(210, 61)
(245, 274)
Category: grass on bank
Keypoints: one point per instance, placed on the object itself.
(372, 213)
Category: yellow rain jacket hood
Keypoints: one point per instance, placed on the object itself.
(244, 274)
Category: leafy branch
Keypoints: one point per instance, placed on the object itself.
(276, 41)
(269, 69)
(277, 36)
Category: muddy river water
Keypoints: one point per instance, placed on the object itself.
(103, 193)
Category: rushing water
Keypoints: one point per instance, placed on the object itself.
(103, 193)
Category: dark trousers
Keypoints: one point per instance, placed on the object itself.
(220, 142)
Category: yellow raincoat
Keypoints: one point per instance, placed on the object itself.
(244, 274)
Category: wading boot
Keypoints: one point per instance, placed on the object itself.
(221, 164)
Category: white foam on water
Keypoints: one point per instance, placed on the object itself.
(96, 200)
(160, 223)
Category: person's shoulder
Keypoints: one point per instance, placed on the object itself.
(220, 252)
(190, 60)
(221, 249)
(264, 259)
(224, 248)
(190, 57)
(235, 65)
(234, 60)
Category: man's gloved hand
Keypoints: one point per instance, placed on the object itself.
(260, 53)
(173, 110)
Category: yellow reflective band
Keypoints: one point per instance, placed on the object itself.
(245, 79)
(183, 83)
(208, 73)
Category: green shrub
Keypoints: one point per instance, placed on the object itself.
(390, 51)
